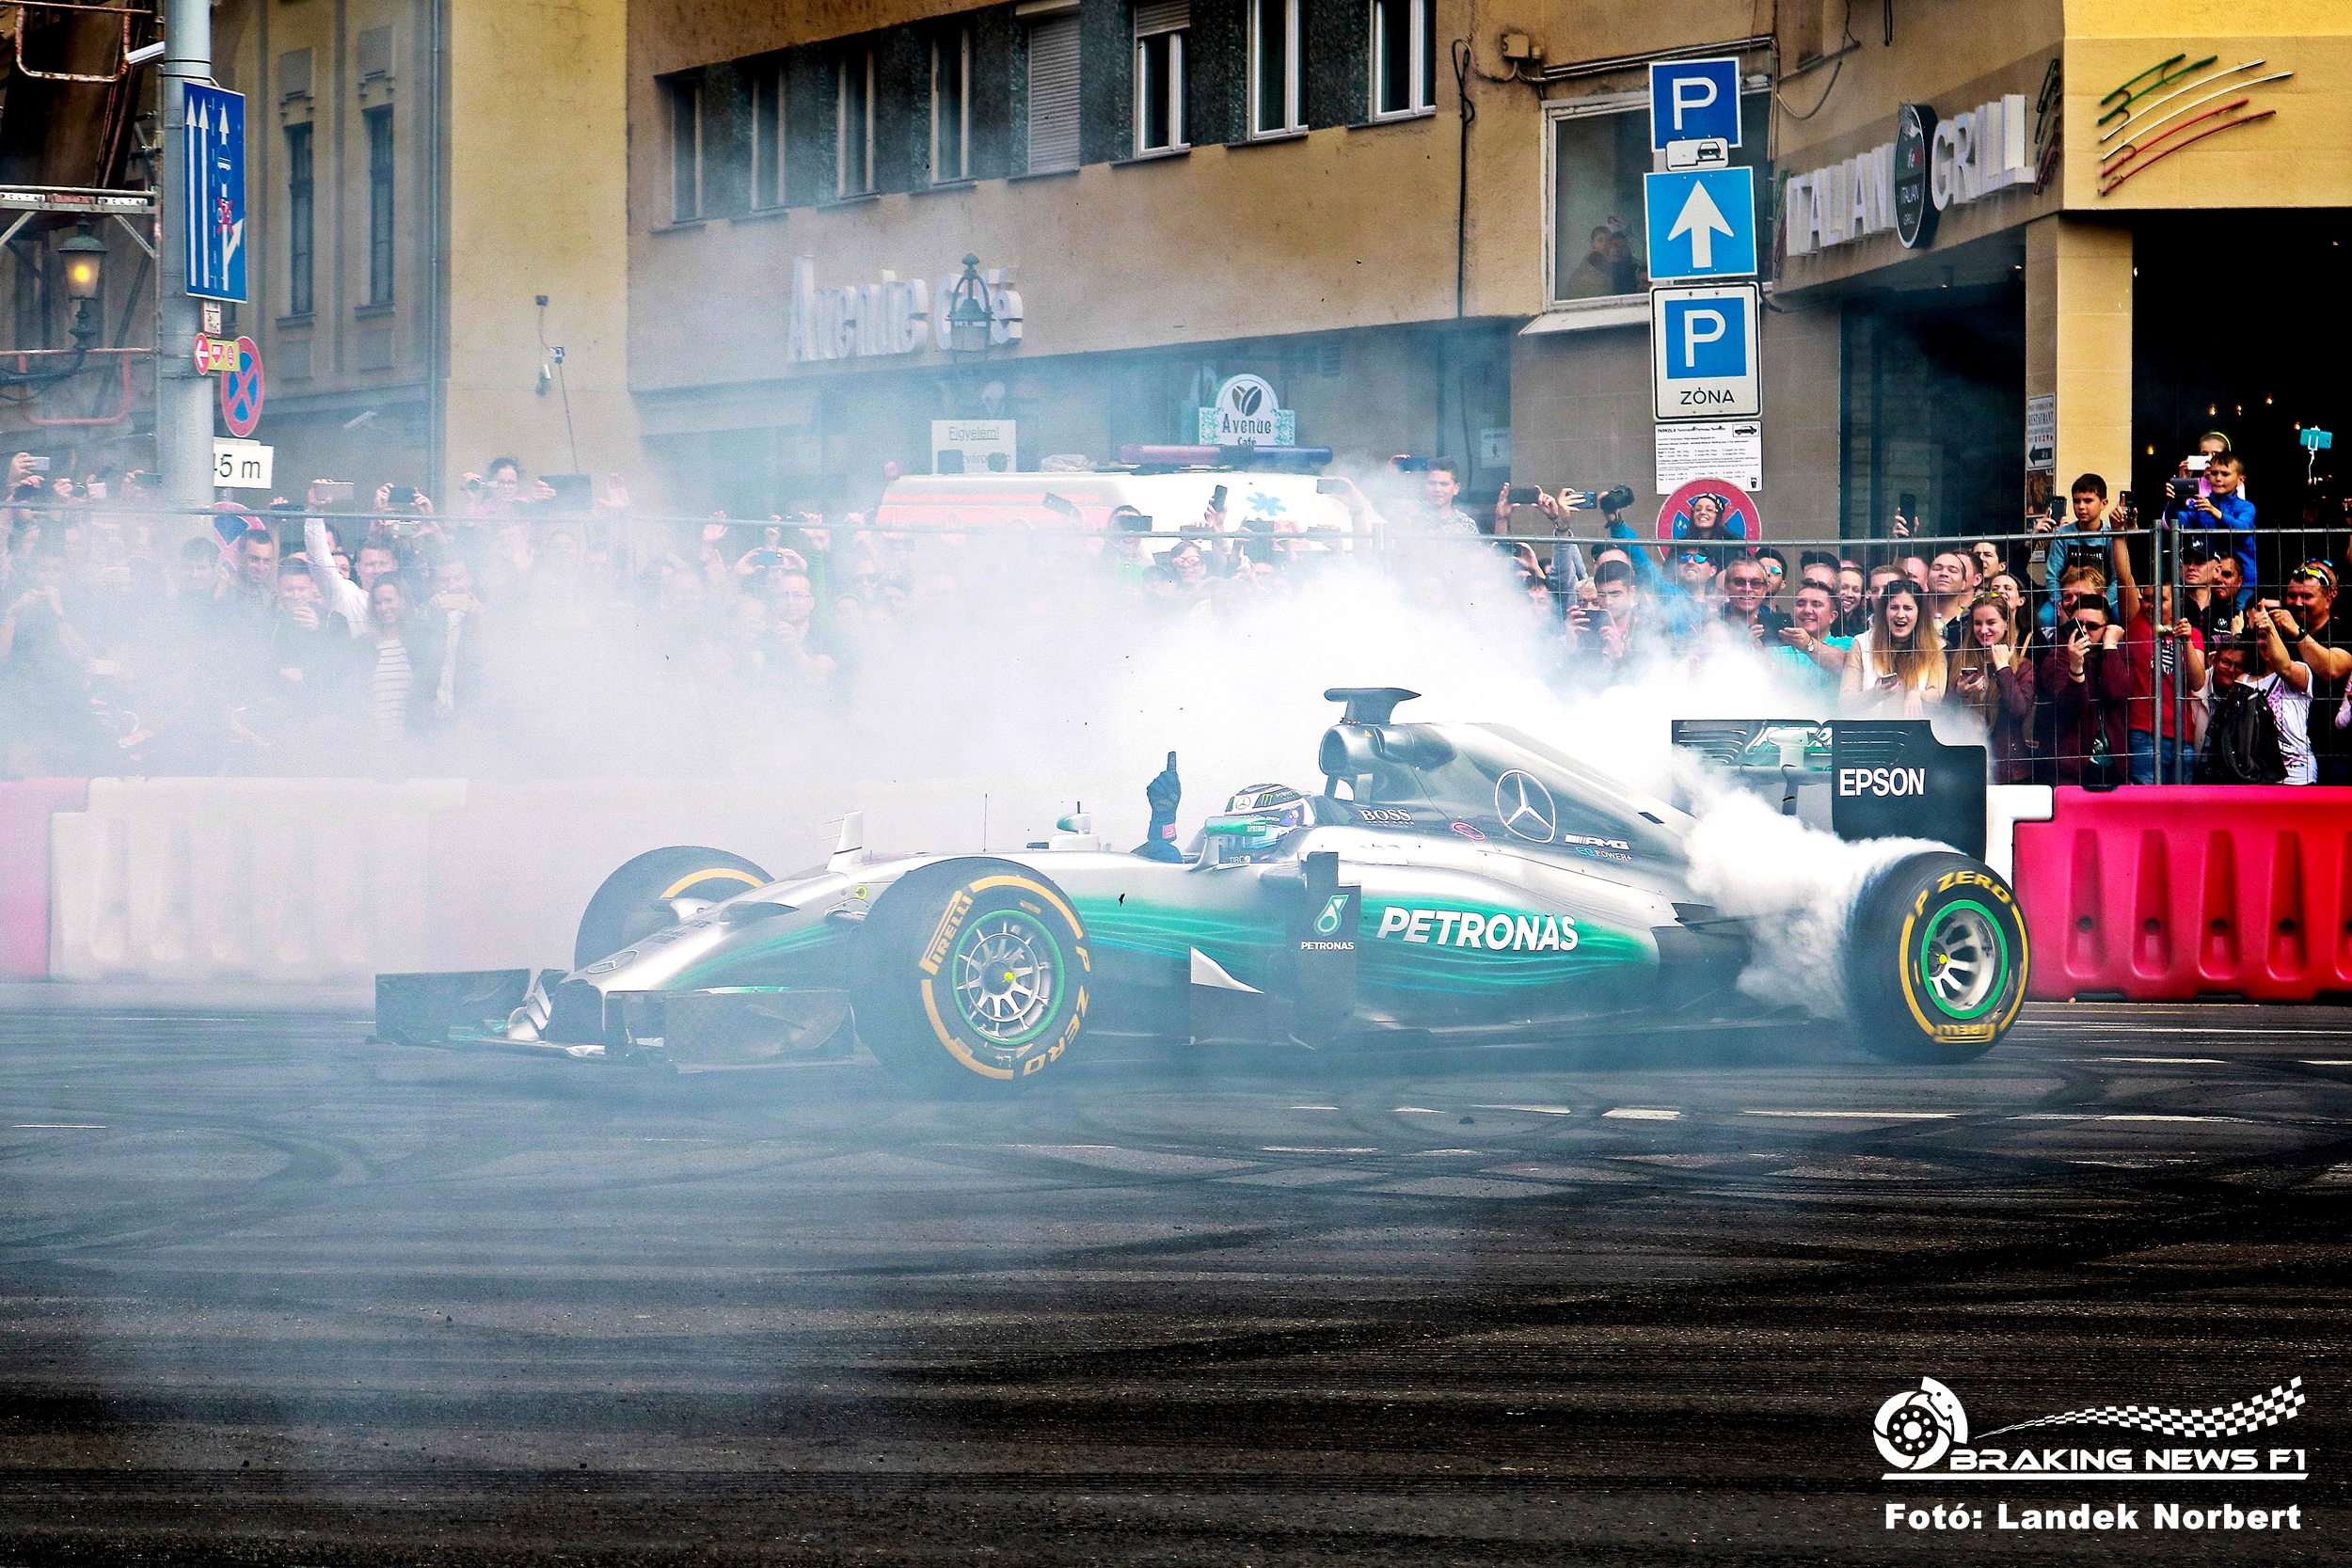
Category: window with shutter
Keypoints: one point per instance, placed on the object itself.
(1054, 93)
(1161, 27)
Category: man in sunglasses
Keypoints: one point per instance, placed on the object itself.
(2305, 619)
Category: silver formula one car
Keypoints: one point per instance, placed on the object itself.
(1450, 882)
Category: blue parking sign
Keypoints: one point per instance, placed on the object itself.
(1706, 337)
(1692, 98)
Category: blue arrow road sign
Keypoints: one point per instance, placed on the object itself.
(1702, 223)
(213, 147)
(1691, 99)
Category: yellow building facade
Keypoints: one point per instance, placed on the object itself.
(420, 176)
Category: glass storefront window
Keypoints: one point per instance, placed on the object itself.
(1600, 150)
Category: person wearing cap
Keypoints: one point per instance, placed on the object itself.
(2305, 619)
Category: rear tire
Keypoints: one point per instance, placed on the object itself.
(1936, 960)
(972, 974)
(633, 903)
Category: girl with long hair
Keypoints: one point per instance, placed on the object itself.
(1898, 665)
(1990, 678)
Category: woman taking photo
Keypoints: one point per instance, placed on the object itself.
(1897, 667)
(1992, 680)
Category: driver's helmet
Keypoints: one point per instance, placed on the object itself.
(1279, 806)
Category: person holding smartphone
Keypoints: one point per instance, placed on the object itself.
(2216, 503)
(2089, 685)
(1989, 680)
(1896, 668)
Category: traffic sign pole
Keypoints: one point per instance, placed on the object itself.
(183, 399)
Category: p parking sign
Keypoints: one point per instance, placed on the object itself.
(1703, 351)
(1693, 101)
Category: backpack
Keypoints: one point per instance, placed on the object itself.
(2241, 739)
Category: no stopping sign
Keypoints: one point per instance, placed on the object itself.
(241, 389)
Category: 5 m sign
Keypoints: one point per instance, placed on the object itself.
(1703, 351)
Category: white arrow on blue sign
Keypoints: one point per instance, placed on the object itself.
(213, 152)
(1690, 99)
(1702, 223)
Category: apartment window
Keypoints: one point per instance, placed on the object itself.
(1276, 95)
(951, 104)
(853, 124)
(1597, 149)
(1053, 93)
(767, 138)
(1404, 57)
(379, 122)
(301, 223)
(1160, 29)
(686, 150)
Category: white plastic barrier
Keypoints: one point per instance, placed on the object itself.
(326, 882)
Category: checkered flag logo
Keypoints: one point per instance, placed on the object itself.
(2281, 1403)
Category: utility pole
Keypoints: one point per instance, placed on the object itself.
(183, 399)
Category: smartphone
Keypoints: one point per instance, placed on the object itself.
(1132, 522)
(40, 464)
(1525, 495)
(1405, 463)
(402, 495)
(768, 556)
(571, 492)
(2197, 462)
(1907, 507)
(1059, 507)
(1216, 497)
(1326, 486)
(327, 490)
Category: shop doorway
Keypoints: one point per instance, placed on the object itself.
(1933, 410)
(2224, 338)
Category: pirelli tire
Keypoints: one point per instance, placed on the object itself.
(972, 974)
(634, 902)
(1936, 960)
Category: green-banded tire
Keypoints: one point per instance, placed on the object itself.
(1936, 960)
(634, 902)
(972, 973)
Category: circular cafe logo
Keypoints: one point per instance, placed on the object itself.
(1917, 1427)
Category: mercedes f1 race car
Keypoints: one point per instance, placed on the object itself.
(1452, 883)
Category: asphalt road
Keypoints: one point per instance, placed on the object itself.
(269, 1294)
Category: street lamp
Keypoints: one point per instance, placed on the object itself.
(85, 262)
(84, 265)
(970, 317)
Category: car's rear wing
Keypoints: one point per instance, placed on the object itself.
(1857, 778)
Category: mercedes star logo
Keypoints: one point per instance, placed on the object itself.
(1525, 806)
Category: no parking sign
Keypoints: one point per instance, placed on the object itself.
(241, 389)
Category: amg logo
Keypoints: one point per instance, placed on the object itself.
(1882, 781)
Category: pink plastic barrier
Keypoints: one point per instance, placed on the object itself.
(24, 808)
(2167, 893)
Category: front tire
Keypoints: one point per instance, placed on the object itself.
(633, 902)
(1936, 960)
(972, 973)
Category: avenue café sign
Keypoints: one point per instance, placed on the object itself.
(860, 321)
(1906, 183)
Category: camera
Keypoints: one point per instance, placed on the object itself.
(2180, 492)
(1525, 495)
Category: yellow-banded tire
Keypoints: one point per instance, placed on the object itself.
(1936, 960)
(972, 973)
(634, 901)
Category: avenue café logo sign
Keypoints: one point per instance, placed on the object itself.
(1922, 1434)
(1246, 413)
(861, 321)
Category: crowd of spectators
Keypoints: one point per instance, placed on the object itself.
(524, 630)
(2078, 666)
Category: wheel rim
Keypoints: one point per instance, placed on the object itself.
(1963, 959)
(1007, 971)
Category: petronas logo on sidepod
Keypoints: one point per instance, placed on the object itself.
(1328, 921)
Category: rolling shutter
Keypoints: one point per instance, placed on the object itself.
(1054, 93)
(1154, 17)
